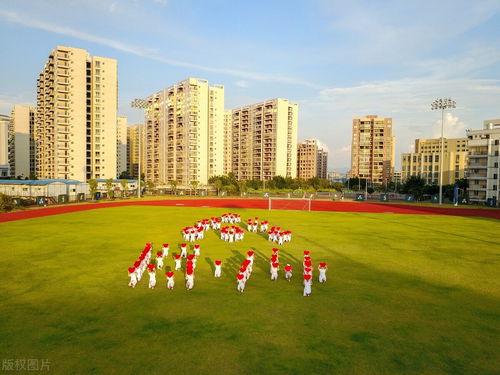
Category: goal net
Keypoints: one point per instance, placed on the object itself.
(300, 204)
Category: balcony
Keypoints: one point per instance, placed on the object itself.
(477, 187)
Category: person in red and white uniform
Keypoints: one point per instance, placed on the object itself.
(170, 280)
(274, 271)
(159, 260)
(196, 249)
(152, 276)
(200, 233)
(138, 273)
(322, 272)
(165, 248)
(189, 278)
(133, 277)
(183, 250)
(241, 282)
(218, 268)
(192, 234)
(288, 272)
(307, 285)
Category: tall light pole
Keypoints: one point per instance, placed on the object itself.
(442, 104)
(142, 104)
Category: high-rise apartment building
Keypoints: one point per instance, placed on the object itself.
(121, 145)
(312, 160)
(373, 149)
(264, 140)
(185, 133)
(21, 141)
(228, 142)
(75, 122)
(483, 170)
(424, 162)
(135, 149)
(4, 146)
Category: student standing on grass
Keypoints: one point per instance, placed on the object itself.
(196, 250)
(274, 271)
(183, 250)
(170, 280)
(165, 249)
(241, 282)
(322, 272)
(152, 276)
(159, 259)
(133, 277)
(218, 266)
(307, 285)
(288, 272)
(189, 278)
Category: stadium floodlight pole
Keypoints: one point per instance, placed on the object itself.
(442, 104)
(141, 104)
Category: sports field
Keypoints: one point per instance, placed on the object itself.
(406, 294)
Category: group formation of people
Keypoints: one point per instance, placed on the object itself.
(280, 237)
(137, 270)
(253, 225)
(194, 233)
(191, 260)
(275, 265)
(245, 271)
(230, 218)
(308, 273)
(232, 234)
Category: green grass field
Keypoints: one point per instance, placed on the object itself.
(406, 294)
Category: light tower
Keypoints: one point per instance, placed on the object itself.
(142, 104)
(442, 104)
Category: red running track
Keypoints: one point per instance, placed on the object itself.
(261, 204)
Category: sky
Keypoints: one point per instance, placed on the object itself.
(337, 59)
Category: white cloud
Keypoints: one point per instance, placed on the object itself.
(342, 151)
(146, 52)
(453, 127)
(408, 102)
(241, 83)
(393, 29)
(112, 7)
(7, 102)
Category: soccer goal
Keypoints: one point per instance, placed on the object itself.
(282, 203)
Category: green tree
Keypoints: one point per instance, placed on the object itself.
(194, 186)
(92, 187)
(151, 186)
(218, 185)
(109, 187)
(125, 175)
(279, 182)
(338, 186)
(173, 186)
(6, 203)
(124, 184)
(242, 186)
(414, 185)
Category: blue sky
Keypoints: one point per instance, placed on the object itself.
(337, 59)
